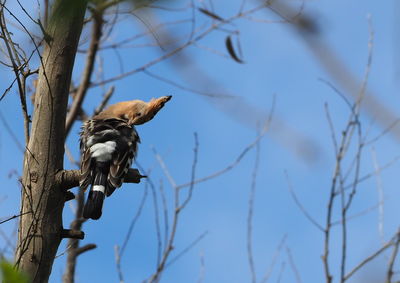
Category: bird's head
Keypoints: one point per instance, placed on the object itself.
(142, 112)
(136, 112)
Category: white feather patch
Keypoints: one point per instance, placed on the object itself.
(90, 141)
(99, 188)
(103, 151)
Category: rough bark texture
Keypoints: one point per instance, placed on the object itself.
(42, 199)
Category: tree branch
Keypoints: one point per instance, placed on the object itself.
(87, 73)
(105, 100)
(390, 272)
(68, 179)
(85, 248)
(368, 259)
(18, 69)
(73, 234)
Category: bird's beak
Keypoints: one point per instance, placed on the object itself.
(156, 104)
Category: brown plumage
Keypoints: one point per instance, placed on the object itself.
(109, 144)
(135, 112)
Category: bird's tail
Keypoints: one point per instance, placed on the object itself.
(94, 203)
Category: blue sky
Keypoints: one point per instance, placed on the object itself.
(277, 64)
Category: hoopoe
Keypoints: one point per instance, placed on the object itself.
(109, 143)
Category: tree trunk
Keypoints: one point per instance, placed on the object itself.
(42, 199)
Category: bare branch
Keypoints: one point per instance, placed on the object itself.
(120, 250)
(17, 68)
(300, 205)
(13, 217)
(178, 49)
(274, 259)
(85, 248)
(379, 188)
(69, 179)
(118, 260)
(193, 175)
(202, 268)
(338, 70)
(368, 259)
(281, 272)
(165, 210)
(188, 248)
(165, 80)
(230, 166)
(293, 265)
(133, 222)
(156, 220)
(105, 100)
(87, 73)
(178, 208)
(358, 214)
(250, 213)
(390, 272)
(165, 169)
(372, 174)
(73, 234)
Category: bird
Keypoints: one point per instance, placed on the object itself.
(109, 144)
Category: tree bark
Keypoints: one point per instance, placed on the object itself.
(42, 199)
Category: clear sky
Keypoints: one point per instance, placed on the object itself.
(297, 152)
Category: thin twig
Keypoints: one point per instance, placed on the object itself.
(202, 268)
(105, 100)
(178, 208)
(188, 248)
(274, 260)
(156, 220)
(17, 68)
(250, 213)
(372, 174)
(392, 260)
(118, 259)
(165, 210)
(281, 272)
(358, 214)
(193, 173)
(233, 164)
(178, 49)
(300, 205)
(379, 188)
(13, 217)
(170, 82)
(368, 259)
(64, 252)
(293, 265)
(134, 219)
(165, 169)
(332, 128)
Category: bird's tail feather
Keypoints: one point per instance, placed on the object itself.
(94, 203)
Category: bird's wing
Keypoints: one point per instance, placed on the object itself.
(86, 176)
(123, 157)
(95, 132)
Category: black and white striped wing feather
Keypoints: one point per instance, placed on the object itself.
(123, 142)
